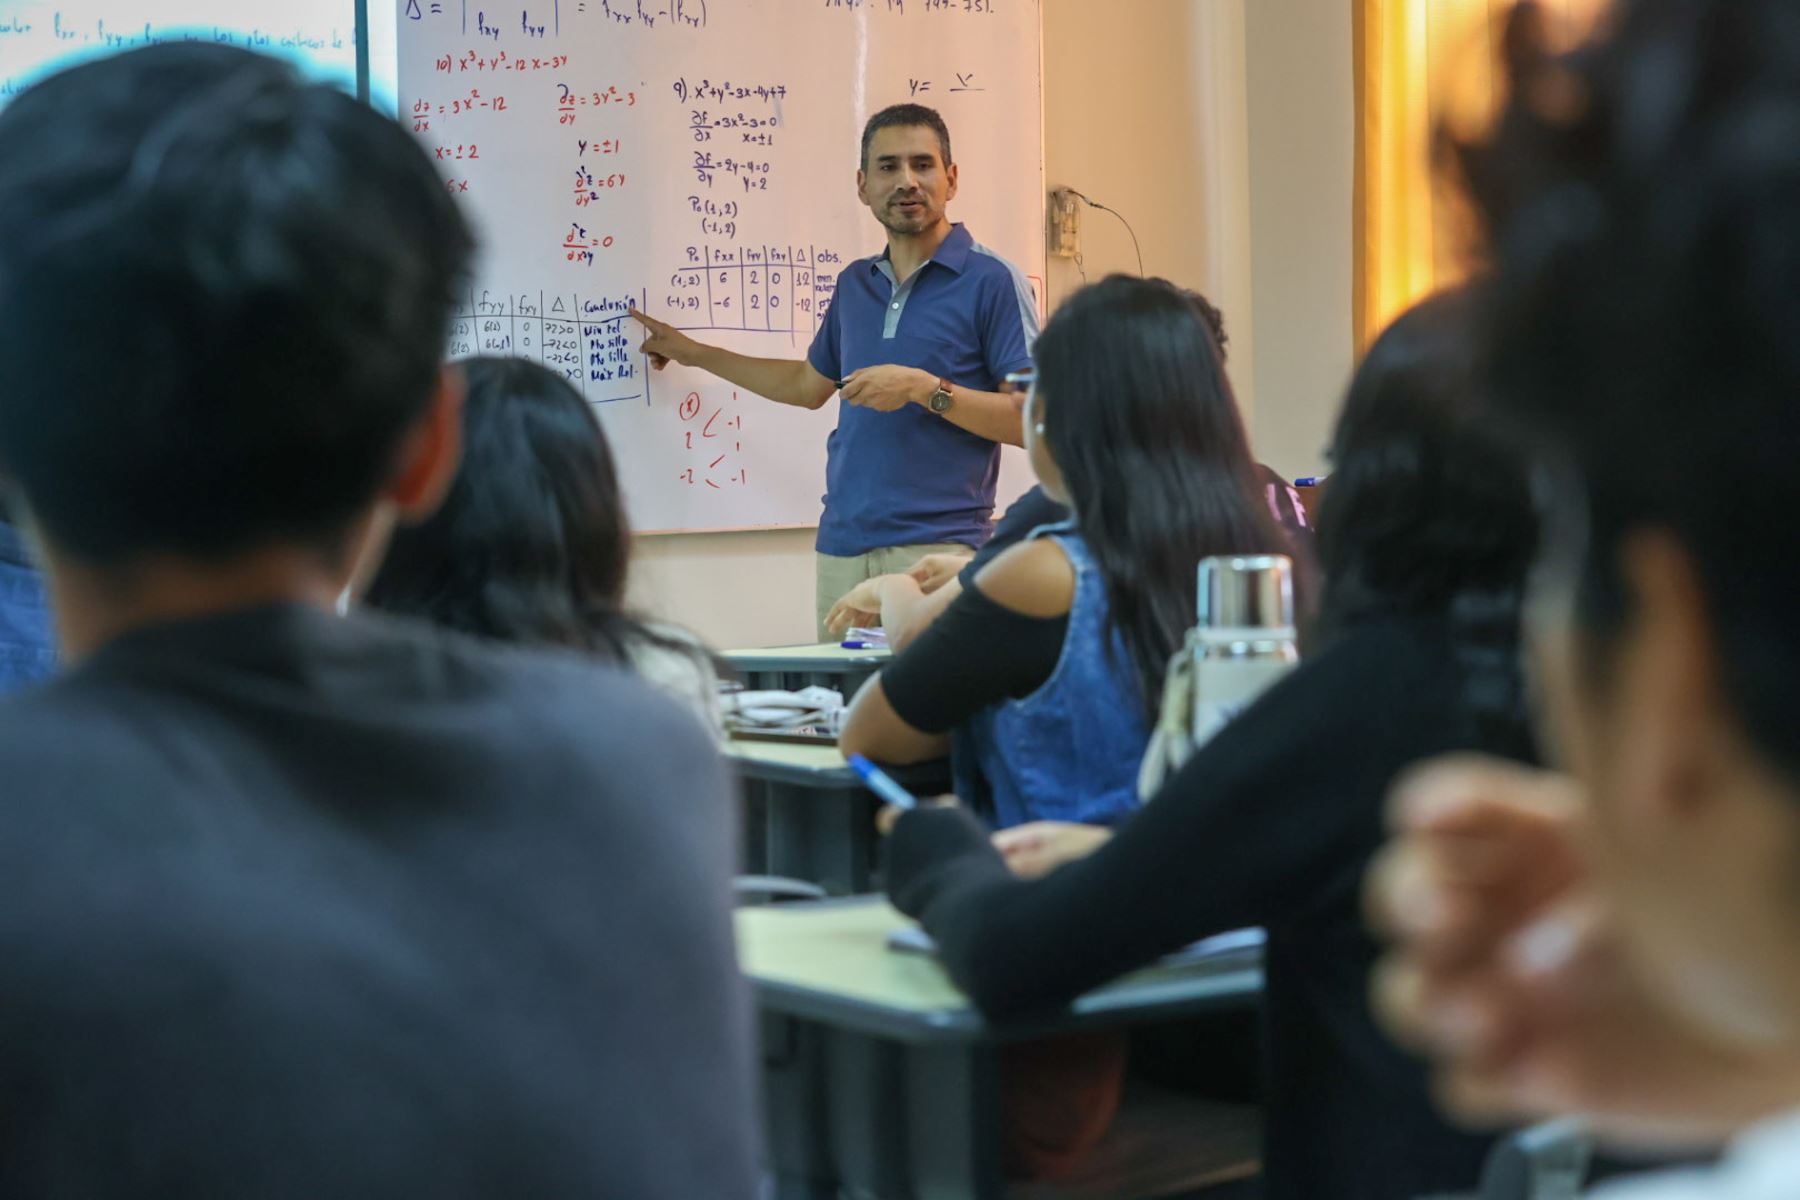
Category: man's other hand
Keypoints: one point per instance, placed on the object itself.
(888, 388)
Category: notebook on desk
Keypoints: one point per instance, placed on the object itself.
(911, 939)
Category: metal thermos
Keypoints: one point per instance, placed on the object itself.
(1245, 639)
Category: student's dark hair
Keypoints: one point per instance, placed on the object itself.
(1209, 313)
(1141, 421)
(906, 116)
(1642, 201)
(532, 543)
(1429, 511)
(224, 299)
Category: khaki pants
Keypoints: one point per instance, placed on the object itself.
(836, 576)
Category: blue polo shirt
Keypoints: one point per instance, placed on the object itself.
(910, 477)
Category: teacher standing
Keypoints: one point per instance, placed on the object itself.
(917, 340)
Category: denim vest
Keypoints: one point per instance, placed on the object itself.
(27, 648)
(1070, 750)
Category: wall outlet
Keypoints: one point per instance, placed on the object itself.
(1065, 224)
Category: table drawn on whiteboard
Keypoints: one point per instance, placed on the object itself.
(697, 160)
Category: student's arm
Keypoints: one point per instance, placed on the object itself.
(783, 380)
(895, 602)
(915, 616)
(998, 640)
(1259, 824)
(995, 416)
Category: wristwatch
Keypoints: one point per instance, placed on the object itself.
(941, 400)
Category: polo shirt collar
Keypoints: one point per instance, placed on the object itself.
(953, 252)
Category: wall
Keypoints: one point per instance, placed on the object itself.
(1222, 130)
(1302, 162)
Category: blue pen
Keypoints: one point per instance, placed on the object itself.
(1309, 481)
(881, 783)
(856, 644)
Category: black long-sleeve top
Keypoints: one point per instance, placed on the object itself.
(1272, 823)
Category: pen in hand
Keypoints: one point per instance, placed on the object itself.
(881, 783)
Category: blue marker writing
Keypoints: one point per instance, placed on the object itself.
(881, 783)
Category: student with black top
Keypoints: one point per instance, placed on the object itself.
(300, 904)
(1425, 540)
(1622, 942)
(1053, 662)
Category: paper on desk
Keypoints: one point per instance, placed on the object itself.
(916, 940)
(783, 710)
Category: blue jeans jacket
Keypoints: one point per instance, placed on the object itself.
(27, 645)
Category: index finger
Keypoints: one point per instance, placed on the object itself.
(648, 322)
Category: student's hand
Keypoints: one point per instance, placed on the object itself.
(888, 388)
(1039, 847)
(935, 570)
(889, 814)
(861, 605)
(1508, 973)
(664, 344)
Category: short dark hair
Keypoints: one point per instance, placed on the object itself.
(906, 116)
(1428, 496)
(225, 294)
(532, 543)
(1641, 196)
(1142, 423)
(1429, 511)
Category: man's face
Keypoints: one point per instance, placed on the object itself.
(905, 181)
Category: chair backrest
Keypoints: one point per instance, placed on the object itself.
(1545, 1162)
(769, 889)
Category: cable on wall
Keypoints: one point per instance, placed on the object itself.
(1091, 203)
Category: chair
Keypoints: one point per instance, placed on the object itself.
(1544, 1162)
(772, 889)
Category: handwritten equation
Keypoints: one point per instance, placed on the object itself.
(36, 38)
(540, 20)
(902, 7)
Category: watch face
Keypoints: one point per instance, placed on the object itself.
(940, 401)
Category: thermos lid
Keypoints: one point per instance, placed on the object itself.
(1247, 592)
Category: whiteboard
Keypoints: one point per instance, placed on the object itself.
(39, 36)
(697, 158)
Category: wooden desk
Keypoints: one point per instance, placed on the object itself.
(881, 1079)
(807, 816)
(790, 668)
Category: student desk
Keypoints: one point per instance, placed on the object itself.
(807, 816)
(790, 668)
(881, 1080)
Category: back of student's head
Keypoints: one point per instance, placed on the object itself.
(1643, 200)
(532, 543)
(1428, 500)
(1143, 427)
(224, 297)
(1429, 511)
